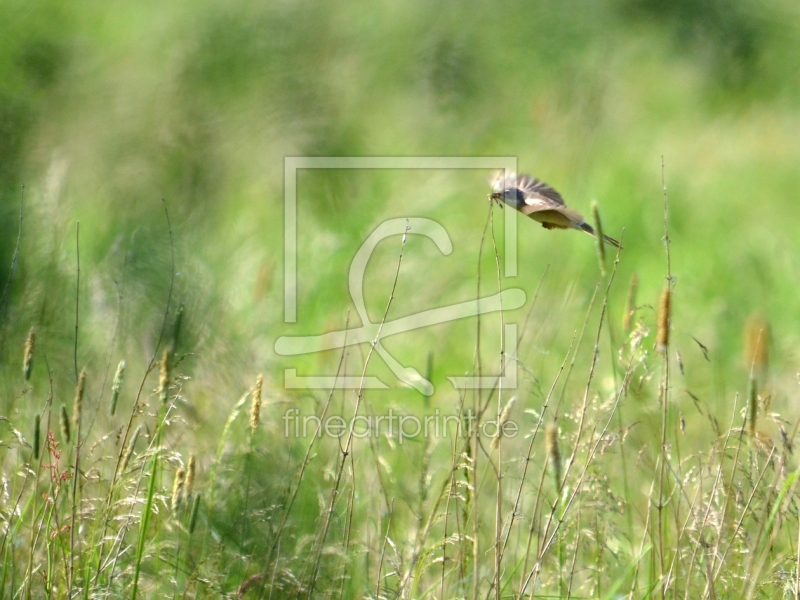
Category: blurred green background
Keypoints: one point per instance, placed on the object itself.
(110, 113)
(105, 110)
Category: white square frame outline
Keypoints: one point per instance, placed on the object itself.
(294, 163)
(508, 376)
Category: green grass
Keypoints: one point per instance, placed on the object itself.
(638, 490)
(678, 473)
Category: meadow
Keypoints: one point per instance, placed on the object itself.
(155, 439)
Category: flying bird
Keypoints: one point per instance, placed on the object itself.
(534, 198)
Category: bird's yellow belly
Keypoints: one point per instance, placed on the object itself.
(551, 218)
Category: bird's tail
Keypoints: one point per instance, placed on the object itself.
(607, 238)
(612, 242)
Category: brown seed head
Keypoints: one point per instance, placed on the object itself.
(664, 308)
(27, 361)
(164, 376)
(255, 406)
(177, 488)
(77, 403)
(553, 453)
(504, 416)
(190, 471)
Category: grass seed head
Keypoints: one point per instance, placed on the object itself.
(553, 453)
(37, 442)
(164, 376)
(190, 473)
(664, 309)
(504, 416)
(255, 406)
(77, 403)
(752, 397)
(119, 376)
(27, 361)
(177, 488)
(65, 424)
(599, 238)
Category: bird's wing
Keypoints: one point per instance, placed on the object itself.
(501, 180)
(538, 193)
